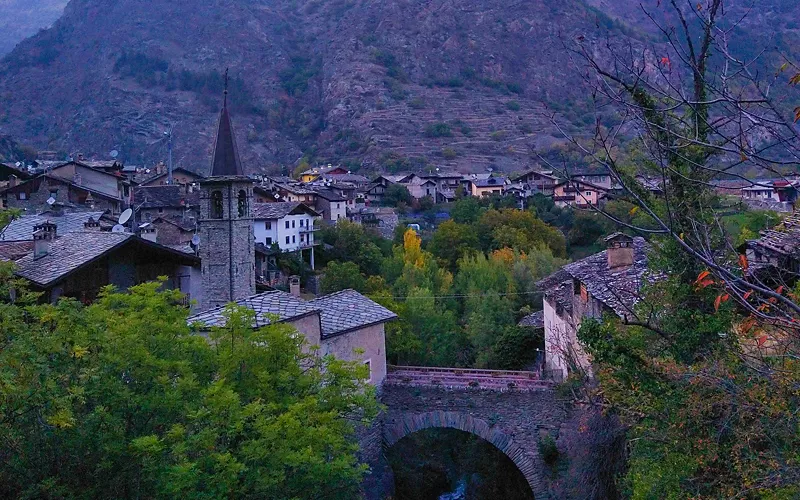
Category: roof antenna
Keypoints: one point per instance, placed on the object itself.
(226, 88)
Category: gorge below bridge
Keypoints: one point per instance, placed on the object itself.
(511, 410)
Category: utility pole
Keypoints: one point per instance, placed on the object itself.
(169, 159)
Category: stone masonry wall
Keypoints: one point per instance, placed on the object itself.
(513, 421)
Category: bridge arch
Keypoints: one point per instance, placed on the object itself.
(528, 462)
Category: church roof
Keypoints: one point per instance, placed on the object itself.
(226, 155)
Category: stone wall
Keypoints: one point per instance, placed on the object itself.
(512, 421)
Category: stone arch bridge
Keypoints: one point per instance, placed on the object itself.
(510, 410)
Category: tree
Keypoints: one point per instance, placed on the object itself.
(341, 276)
(466, 210)
(701, 371)
(119, 399)
(349, 242)
(396, 194)
(517, 229)
(451, 241)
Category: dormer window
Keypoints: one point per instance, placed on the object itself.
(216, 205)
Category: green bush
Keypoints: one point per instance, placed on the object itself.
(438, 129)
(513, 105)
(548, 450)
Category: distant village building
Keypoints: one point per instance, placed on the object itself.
(289, 225)
(479, 187)
(578, 193)
(180, 177)
(777, 248)
(168, 201)
(607, 282)
(537, 181)
(314, 173)
(75, 184)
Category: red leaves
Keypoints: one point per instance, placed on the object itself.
(762, 340)
(666, 62)
(747, 294)
(748, 324)
(721, 299)
(743, 262)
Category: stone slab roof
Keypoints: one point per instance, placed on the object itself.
(68, 253)
(330, 195)
(784, 239)
(535, 320)
(279, 210)
(15, 250)
(349, 310)
(72, 251)
(22, 228)
(618, 289)
(281, 304)
(164, 197)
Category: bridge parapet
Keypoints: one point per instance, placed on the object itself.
(465, 378)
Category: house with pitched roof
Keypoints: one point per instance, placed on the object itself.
(344, 324)
(290, 225)
(608, 282)
(79, 263)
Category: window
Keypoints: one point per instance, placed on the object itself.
(269, 240)
(293, 239)
(268, 225)
(242, 203)
(338, 205)
(302, 238)
(292, 223)
(588, 193)
(54, 193)
(216, 205)
(287, 226)
(161, 210)
(287, 240)
(23, 196)
(368, 364)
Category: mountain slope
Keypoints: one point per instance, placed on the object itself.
(20, 19)
(392, 83)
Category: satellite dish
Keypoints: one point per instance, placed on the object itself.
(196, 240)
(18, 164)
(51, 201)
(114, 153)
(125, 216)
(119, 228)
(277, 196)
(147, 170)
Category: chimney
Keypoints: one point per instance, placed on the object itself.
(294, 285)
(91, 225)
(43, 235)
(619, 249)
(12, 180)
(149, 233)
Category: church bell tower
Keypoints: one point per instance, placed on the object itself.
(227, 247)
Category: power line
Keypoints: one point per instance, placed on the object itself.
(458, 296)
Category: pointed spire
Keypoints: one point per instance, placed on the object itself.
(226, 155)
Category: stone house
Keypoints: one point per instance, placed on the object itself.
(332, 205)
(608, 282)
(78, 264)
(341, 324)
(420, 187)
(32, 195)
(167, 201)
(180, 177)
